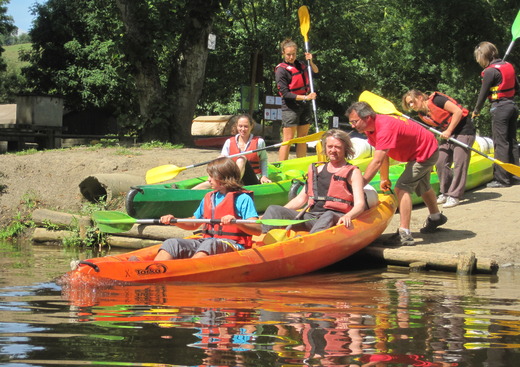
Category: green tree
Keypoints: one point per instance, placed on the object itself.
(7, 27)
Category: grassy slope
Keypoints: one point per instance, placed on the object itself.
(10, 55)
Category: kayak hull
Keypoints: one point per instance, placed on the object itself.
(300, 255)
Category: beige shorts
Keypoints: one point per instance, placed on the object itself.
(416, 176)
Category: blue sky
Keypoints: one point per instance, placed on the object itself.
(19, 10)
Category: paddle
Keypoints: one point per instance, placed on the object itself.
(116, 222)
(305, 24)
(279, 235)
(385, 107)
(515, 31)
(170, 171)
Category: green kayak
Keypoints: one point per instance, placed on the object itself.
(153, 201)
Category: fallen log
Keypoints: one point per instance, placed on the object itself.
(159, 233)
(46, 235)
(108, 186)
(129, 242)
(44, 216)
(433, 260)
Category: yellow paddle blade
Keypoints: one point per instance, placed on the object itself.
(163, 173)
(305, 21)
(509, 167)
(379, 104)
(304, 139)
(278, 235)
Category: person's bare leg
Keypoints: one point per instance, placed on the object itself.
(301, 149)
(199, 254)
(430, 199)
(163, 256)
(405, 208)
(241, 163)
(202, 186)
(288, 134)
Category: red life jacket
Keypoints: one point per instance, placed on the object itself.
(439, 117)
(338, 197)
(225, 207)
(252, 158)
(506, 89)
(299, 84)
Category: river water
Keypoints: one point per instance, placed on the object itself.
(336, 317)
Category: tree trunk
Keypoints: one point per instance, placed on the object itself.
(186, 80)
(139, 50)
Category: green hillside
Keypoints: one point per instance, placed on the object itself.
(10, 56)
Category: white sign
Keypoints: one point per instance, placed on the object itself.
(212, 41)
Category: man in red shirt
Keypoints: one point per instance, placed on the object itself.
(404, 141)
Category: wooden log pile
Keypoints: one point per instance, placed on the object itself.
(140, 236)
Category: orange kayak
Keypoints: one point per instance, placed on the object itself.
(299, 255)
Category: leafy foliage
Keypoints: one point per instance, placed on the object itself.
(95, 55)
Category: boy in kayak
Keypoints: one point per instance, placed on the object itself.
(228, 201)
(404, 141)
(334, 191)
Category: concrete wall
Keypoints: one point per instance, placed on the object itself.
(39, 110)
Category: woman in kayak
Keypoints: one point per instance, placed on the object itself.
(447, 115)
(253, 166)
(227, 201)
(334, 192)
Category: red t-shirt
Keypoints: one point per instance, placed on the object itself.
(405, 140)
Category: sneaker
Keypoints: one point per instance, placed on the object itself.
(496, 184)
(431, 225)
(451, 202)
(441, 199)
(406, 239)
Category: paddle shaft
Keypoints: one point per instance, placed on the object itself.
(189, 220)
(515, 31)
(508, 50)
(455, 141)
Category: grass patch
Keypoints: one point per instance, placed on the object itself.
(10, 55)
(159, 144)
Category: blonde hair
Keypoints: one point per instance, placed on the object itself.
(485, 52)
(287, 43)
(226, 171)
(343, 137)
(413, 94)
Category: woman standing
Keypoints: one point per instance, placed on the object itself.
(292, 80)
(446, 114)
(253, 166)
(499, 85)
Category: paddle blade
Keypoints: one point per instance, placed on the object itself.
(163, 173)
(113, 221)
(114, 227)
(112, 217)
(305, 21)
(278, 235)
(509, 167)
(281, 222)
(304, 139)
(515, 28)
(379, 104)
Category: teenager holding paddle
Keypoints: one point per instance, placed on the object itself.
(404, 141)
(499, 85)
(447, 115)
(227, 202)
(253, 166)
(334, 191)
(292, 81)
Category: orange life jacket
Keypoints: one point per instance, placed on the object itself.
(299, 84)
(225, 207)
(506, 89)
(439, 117)
(338, 197)
(253, 158)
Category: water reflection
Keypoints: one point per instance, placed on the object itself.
(331, 318)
